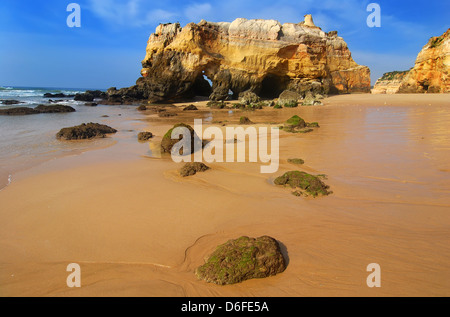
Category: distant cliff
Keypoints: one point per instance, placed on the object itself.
(389, 83)
(430, 73)
(262, 56)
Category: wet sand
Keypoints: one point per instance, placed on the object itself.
(138, 229)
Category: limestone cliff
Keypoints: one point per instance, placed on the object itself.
(262, 56)
(431, 70)
(430, 73)
(389, 83)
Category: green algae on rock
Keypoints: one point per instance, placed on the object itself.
(242, 259)
(295, 124)
(309, 184)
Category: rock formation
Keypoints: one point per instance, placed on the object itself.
(431, 70)
(430, 73)
(261, 56)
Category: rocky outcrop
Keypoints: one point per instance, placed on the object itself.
(389, 83)
(260, 56)
(85, 131)
(242, 259)
(39, 109)
(431, 72)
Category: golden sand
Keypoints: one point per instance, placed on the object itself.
(137, 228)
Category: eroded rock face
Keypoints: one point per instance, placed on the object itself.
(260, 56)
(431, 71)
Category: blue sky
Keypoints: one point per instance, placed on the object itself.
(38, 49)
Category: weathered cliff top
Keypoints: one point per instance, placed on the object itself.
(262, 56)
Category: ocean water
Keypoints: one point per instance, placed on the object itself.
(26, 141)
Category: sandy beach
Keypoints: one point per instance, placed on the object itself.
(137, 228)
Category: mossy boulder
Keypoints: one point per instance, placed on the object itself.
(145, 136)
(193, 168)
(167, 142)
(242, 259)
(307, 183)
(85, 131)
(295, 124)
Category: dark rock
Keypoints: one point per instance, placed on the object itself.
(242, 259)
(190, 108)
(59, 95)
(166, 114)
(18, 111)
(11, 102)
(54, 109)
(38, 109)
(85, 131)
(91, 104)
(245, 120)
(90, 95)
(190, 169)
(310, 184)
(145, 136)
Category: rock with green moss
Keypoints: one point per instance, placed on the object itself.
(307, 183)
(242, 259)
(295, 124)
(167, 142)
(193, 168)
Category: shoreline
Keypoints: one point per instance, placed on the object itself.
(138, 229)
